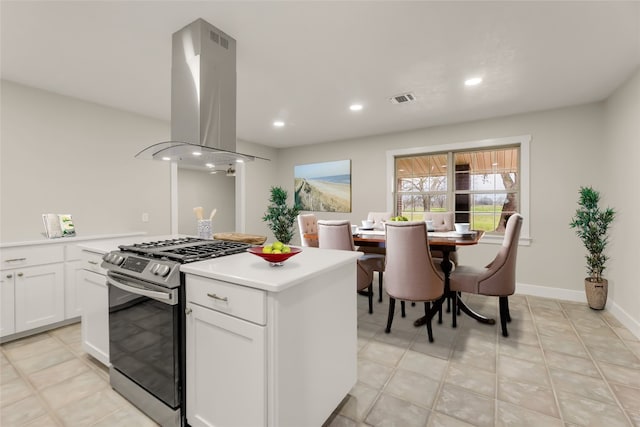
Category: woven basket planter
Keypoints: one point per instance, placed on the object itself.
(596, 293)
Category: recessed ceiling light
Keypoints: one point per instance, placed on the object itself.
(166, 159)
(355, 107)
(210, 165)
(473, 81)
(239, 161)
(197, 153)
(278, 123)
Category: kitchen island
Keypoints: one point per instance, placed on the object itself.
(270, 346)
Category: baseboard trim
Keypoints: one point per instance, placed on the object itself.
(579, 296)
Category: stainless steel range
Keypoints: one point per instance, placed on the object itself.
(146, 321)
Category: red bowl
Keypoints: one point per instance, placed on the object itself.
(274, 258)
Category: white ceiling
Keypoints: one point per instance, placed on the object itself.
(305, 62)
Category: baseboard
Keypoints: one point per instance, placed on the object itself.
(548, 292)
(629, 322)
(579, 296)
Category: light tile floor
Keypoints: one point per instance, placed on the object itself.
(562, 365)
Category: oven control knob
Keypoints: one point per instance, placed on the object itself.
(163, 270)
(117, 259)
(154, 268)
(112, 258)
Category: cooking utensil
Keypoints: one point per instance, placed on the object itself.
(213, 213)
(199, 213)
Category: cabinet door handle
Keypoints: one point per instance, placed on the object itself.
(20, 274)
(187, 311)
(16, 260)
(214, 296)
(92, 262)
(9, 276)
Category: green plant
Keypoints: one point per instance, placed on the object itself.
(279, 216)
(591, 224)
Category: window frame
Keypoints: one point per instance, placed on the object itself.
(522, 140)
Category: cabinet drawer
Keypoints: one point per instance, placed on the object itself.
(31, 255)
(91, 261)
(239, 301)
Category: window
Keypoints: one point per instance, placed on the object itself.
(483, 182)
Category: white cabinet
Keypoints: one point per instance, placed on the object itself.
(272, 359)
(73, 267)
(32, 287)
(39, 296)
(95, 315)
(226, 370)
(94, 295)
(7, 306)
(73, 276)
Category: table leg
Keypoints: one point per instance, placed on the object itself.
(454, 297)
(467, 310)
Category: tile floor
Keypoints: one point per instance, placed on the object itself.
(562, 365)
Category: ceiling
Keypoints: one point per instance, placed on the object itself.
(305, 62)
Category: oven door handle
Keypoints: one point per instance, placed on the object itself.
(165, 297)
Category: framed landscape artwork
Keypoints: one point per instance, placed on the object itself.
(323, 187)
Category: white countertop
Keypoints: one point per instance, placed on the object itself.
(252, 271)
(80, 238)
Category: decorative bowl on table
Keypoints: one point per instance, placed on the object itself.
(274, 259)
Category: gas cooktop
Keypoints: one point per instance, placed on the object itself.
(186, 249)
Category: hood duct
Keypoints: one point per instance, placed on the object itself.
(203, 100)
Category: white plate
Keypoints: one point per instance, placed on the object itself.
(365, 229)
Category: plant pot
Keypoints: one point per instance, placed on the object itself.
(596, 292)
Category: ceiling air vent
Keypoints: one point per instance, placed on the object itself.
(403, 98)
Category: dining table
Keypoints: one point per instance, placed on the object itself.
(444, 241)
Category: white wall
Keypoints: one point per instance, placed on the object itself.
(260, 175)
(63, 155)
(620, 156)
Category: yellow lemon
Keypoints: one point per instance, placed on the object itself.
(267, 249)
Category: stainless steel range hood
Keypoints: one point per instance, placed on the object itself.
(203, 101)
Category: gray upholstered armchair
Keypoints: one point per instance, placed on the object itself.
(337, 235)
(308, 223)
(442, 221)
(498, 278)
(410, 272)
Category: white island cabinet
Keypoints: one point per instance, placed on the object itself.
(270, 346)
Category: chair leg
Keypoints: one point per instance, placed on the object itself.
(380, 286)
(459, 295)
(504, 314)
(429, 315)
(448, 306)
(402, 311)
(440, 315)
(506, 303)
(371, 298)
(453, 296)
(392, 307)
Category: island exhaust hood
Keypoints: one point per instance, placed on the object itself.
(203, 101)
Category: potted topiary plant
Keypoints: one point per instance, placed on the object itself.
(591, 224)
(279, 216)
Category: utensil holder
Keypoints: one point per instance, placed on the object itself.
(205, 230)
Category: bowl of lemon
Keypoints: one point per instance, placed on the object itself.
(275, 253)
